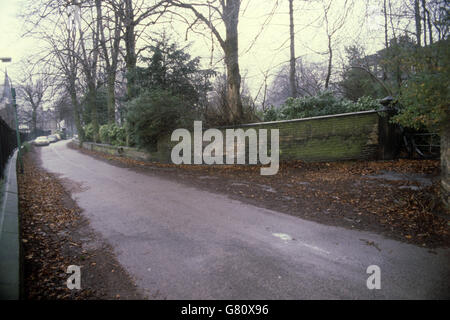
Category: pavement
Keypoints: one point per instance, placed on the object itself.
(9, 234)
(179, 242)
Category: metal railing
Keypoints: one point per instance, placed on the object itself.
(426, 145)
(8, 143)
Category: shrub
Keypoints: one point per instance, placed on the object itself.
(271, 114)
(249, 111)
(117, 135)
(320, 105)
(323, 104)
(129, 135)
(113, 134)
(157, 113)
(425, 102)
(424, 97)
(104, 134)
(89, 132)
(365, 103)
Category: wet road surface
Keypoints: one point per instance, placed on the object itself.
(179, 242)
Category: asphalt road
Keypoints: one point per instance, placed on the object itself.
(179, 242)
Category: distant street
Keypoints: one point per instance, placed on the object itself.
(179, 242)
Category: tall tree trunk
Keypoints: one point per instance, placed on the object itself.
(292, 80)
(231, 51)
(430, 29)
(233, 82)
(330, 63)
(76, 115)
(111, 59)
(111, 98)
(424, 8)
(394, 35)
(229, 13)
(418, 22)
(386, 39)
(130, 48)
(90, 64)
(92, 97)
(34, 121)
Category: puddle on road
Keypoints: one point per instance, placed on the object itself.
(208, 178)
(395, 176)
(238, 184)
(267, 188)
(419, 180)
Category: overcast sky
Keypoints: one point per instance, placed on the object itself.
(270, 49)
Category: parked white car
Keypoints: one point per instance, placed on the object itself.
(41, 141)
(52, 138)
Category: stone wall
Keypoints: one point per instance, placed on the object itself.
(131, 153)
(350, 136)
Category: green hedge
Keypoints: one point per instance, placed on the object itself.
(321, 105)
(113, 134)
(156, 113)
(89, 132)
(109, 134)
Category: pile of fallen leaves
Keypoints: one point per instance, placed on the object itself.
(337, 193)
(46, 222)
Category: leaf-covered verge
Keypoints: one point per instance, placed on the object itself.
(347, 194)
(55, 235)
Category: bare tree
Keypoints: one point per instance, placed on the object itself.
(386, 32)
(417, 18)
(31, 92)
(54, 25)
(439, 16)
(89, 60)
(88, 53)
(110, 45)
(333, 23)
(293, 85)
(308, 78)
(263, 89)
(427, 20)
(225, 13)
(133, 14)
(426, 13)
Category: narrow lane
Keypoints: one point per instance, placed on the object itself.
(179, 242)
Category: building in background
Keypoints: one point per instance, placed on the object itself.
(47, 121)
(6, 107)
